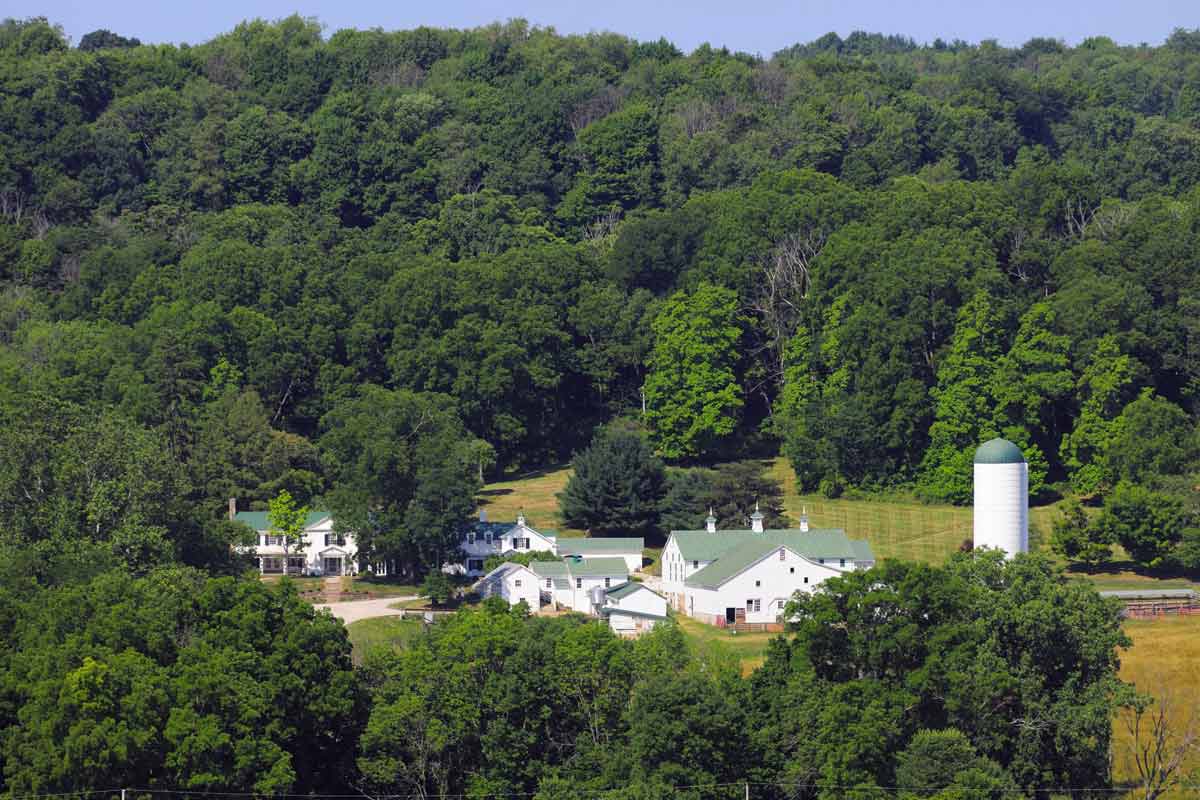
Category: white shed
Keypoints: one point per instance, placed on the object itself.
(513, 582)
(632, 609)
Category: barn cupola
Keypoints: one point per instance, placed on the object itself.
(756, 520)
(804, 520)
(521, 518)
(710, 523)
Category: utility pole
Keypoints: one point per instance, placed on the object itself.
(747, 792)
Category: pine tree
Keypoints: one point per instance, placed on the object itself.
(616, 486)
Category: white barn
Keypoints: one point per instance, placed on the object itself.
(731, 577)
(324, 552)
(633, 608)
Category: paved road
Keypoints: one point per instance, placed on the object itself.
(355, 610)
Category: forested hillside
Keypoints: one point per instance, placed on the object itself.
(367, 267)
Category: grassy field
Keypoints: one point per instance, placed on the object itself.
(1165, 653)
(533, 494)
(381, 632)
(896, 527)
(748, 648)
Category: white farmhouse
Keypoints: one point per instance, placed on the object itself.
(730, 577)
(632, 609)
(325, 552)
(484, 539)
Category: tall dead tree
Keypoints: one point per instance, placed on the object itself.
(1162, 739)
(784, 279)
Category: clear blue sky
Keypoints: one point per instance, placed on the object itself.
(756, 26)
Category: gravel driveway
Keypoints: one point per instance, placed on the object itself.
(355, 610)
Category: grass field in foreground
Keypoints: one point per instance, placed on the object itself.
(1165, 654)
(381, 632)
(749, 648)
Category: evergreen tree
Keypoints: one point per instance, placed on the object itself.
(616, 486)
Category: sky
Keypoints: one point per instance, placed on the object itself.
(754, 26)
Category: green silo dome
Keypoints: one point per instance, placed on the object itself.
(999, 451)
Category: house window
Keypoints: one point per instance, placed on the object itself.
(754, 605)
(607, 582)
(792, 570)
(295, 563)
(335, 539)
(806, 579)
(549, 583)
(843, 562)
(757, 584)
(695, 564)
(579, 583)
(474, 565)
(470, 537)
(517, 583)
(782, 557)
(820, 561)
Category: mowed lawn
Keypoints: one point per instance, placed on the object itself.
(749, 648)
(1164, 657)
(392, 632)
(534, 494)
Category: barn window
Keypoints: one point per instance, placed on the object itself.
(782, 557)
(820, 561)
(793, 570)
(579, 583)
(758, 583)
(695, 564)
(843, 562)
(806, 579)
(754, 605)
(518, 583)
(607, 582)
(548, 583)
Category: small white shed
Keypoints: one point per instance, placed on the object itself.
(513, 582)
(632, 609)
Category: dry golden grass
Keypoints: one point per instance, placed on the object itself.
(533, 493)
(1165, 655)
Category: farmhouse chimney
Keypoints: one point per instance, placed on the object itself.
(804, 520)
(232, 509)
(710, 524)
(756, 520)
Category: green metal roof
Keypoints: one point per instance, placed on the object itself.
(999, 451)
(597, 567)
(815, 542)
(748, 547)
(589, 546)
(549, 569)
(259, 522)
(626, 589)
(607, 610)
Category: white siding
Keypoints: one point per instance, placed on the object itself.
(514, 583)
(315, 549)
(769, 581)
(641, 600)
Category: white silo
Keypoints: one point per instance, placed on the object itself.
(1001, 497)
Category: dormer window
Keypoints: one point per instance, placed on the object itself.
(470, 537)
(487, 537)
